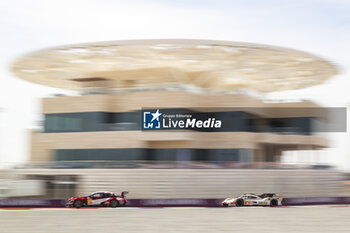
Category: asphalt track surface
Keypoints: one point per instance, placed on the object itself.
(187, 219)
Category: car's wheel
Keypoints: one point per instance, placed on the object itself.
(78, 203)
(274, 202)
(113, 203)
(239, 202)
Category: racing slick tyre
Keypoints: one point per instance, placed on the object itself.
(274, 202)
(240, 202)
(113, 203)
(77, 203)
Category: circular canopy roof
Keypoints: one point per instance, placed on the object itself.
(213, 65)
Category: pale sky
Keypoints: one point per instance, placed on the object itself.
(320, 27)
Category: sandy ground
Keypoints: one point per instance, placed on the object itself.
(249, 219)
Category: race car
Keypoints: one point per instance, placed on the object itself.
(100, 198)
(251, 199)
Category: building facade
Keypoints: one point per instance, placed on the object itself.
(102, 125)
(109, 127)
(117, 80)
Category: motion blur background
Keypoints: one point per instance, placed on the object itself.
(75, 127)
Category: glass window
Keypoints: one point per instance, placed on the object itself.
(97, 195)
(125, 154)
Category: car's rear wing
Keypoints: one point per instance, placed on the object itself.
(280, 197)
(124, 193)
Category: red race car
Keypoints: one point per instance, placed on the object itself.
(100, 198)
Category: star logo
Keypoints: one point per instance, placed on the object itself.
(151, 119)
(156, 115)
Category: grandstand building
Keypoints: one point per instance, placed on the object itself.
(174, 104)
(114, 82)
